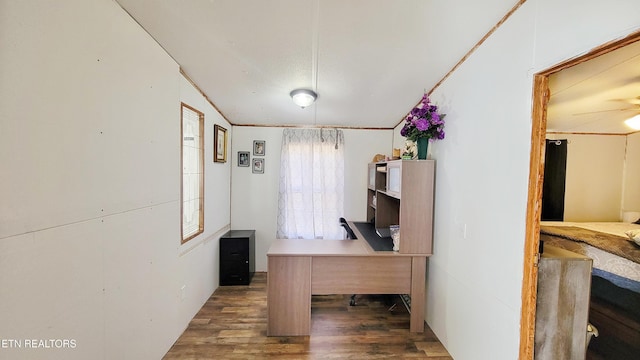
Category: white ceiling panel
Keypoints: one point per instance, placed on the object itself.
(368, 60)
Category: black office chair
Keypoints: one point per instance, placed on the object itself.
(347, 228)
(350, 235)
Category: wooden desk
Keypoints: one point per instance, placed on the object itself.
(300, 268)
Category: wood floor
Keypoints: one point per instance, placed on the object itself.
(233, 325)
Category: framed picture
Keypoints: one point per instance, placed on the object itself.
(219, 144)
(258, 147)
(258, 166)
(243, 158)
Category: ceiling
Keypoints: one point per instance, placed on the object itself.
(596, 96)
(370, 61)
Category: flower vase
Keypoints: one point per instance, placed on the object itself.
(423, 144)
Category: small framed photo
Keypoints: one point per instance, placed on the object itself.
(243, 158)
(258, 166)
(219, 144)
(258, 147)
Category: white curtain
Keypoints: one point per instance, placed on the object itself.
(311, 198)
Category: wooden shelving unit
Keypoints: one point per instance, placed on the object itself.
(401, 192)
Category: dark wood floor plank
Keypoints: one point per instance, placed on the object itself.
(232, 324)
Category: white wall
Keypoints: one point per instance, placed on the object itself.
(90, 187)
(595, 166)
(474, 282)
(255, 196)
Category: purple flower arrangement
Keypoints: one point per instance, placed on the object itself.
(424, 121)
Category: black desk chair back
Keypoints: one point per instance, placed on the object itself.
(350, 235)
(347, 228)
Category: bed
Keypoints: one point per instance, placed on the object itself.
(615, 287)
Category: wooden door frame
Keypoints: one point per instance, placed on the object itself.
(534, 198)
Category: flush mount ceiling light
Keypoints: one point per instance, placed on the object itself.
(303, 97)
(634, 122)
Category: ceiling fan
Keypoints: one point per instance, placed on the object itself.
(634, 102)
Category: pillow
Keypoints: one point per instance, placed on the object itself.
(631, 217)
(634, 235)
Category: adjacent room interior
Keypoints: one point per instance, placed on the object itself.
(588, 204)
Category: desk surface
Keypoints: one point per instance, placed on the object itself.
(323, 247)
(318, 247)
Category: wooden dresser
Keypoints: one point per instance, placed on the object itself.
(562, 305)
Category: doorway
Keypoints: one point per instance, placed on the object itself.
(554, 182)
(536, 177)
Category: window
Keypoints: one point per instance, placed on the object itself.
(192, 185)
(311, 196)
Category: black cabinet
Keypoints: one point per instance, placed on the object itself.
(237, 257)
